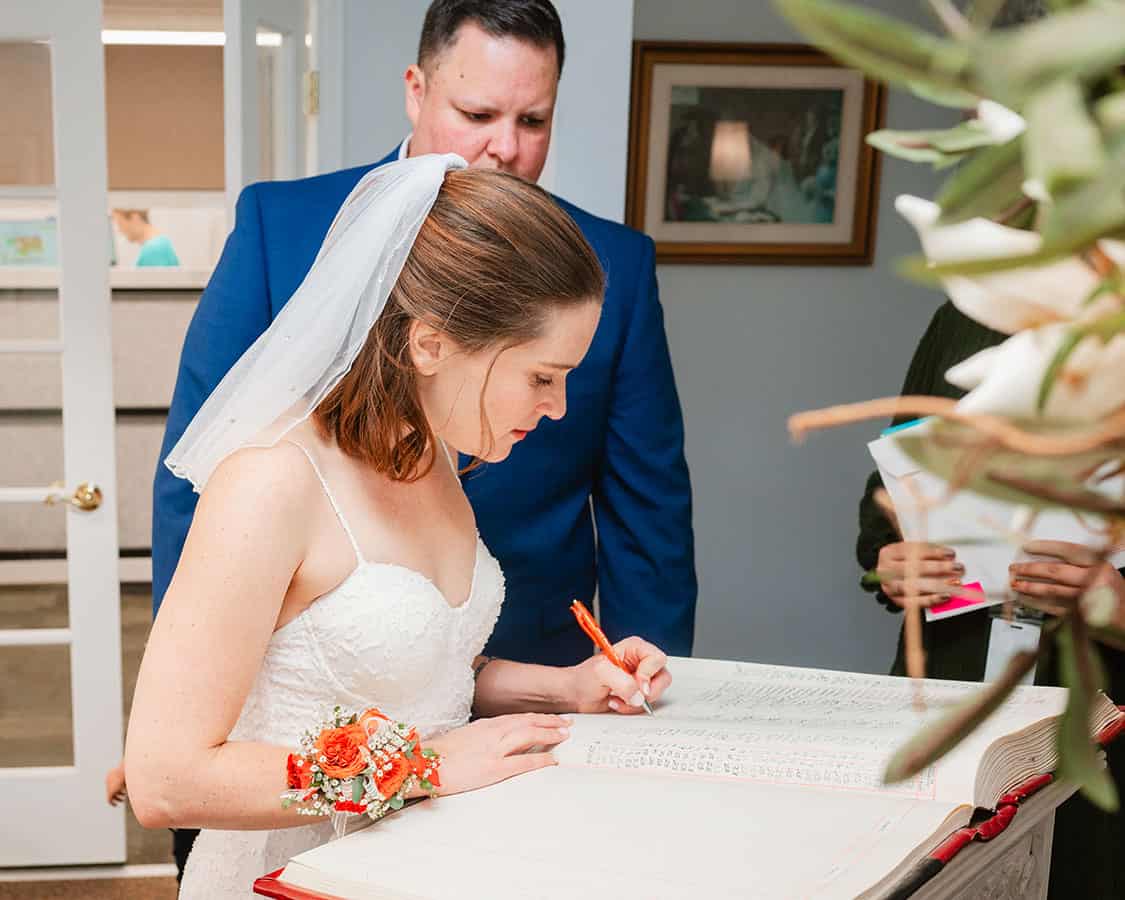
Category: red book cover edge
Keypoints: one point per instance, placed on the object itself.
(1001, 818)
(272, 886)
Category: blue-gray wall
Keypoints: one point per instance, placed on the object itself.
(775, 523)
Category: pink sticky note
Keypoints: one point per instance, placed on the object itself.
(959, 603)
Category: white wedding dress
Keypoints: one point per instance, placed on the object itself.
(385, 637)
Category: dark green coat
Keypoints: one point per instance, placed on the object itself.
(1088, 857)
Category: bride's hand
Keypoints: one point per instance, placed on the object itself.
(491, 750)
(600, 686)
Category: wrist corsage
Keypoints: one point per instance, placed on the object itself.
(359, 763)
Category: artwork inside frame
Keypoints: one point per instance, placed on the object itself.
(752, 153)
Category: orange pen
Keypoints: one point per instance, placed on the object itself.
(594, 632)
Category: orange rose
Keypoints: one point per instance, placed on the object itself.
(297, 776)
(391, 781)
(420, 763)
(370, 720)
(340, 749)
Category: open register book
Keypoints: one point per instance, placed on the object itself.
(750, 781)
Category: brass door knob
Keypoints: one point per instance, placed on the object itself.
(86, 496)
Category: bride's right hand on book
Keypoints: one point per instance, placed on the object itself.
(934, 571)
(490, 750)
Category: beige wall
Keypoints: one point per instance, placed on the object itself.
(164, 114)
(26, 147)
(164, 117)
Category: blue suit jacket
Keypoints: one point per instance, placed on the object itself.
(621, 442)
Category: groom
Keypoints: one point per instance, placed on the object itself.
(484, 87)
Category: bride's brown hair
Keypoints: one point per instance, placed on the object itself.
(495, 256)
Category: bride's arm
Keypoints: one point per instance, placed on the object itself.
(246, 542)
(592, 686)
(503, 686)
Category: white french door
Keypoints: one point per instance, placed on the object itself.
(264, 63)
(59, 743)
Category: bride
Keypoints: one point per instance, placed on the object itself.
(333, 557)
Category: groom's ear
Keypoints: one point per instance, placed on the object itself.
(415, 83)
(428, 347)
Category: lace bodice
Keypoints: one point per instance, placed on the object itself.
(387, 637)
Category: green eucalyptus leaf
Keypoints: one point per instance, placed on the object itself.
(933, 741)
(357, 790)
(1110, 112)
(935, 145)
(954, 98)
(902, 145)
(1091, 211)
(1073, 223)
(1107, 327)
(1022, 217)
(985, 185)
(982, 13)
(946, 446)
(1063, 144)
(1113, 283)
(1080, 43)
(892, 147)
(918, 268)
(1055, 367)
(968, 135)
(396, 802)
(1079, 760)
(1050, 493)
(883, 47)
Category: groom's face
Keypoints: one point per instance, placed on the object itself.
(489, 99)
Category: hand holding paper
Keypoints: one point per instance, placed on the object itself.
(930, 572)
(984, 533)
(1063, 574)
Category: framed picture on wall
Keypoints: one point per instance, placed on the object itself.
(752, 153)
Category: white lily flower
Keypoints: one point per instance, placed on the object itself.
(1008, 301)
(1004, 380)
(1001, 123)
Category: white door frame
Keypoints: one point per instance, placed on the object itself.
(241, 19)
(58, 815)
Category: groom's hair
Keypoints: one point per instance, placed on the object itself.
(535, 21)
(494, 258)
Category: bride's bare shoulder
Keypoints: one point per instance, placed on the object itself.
(273, 479)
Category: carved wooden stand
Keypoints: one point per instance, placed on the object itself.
(1015, 865)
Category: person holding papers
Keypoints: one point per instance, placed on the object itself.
(1088, 854)
(334, 561)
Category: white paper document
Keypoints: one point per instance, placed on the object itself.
(976, 527)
